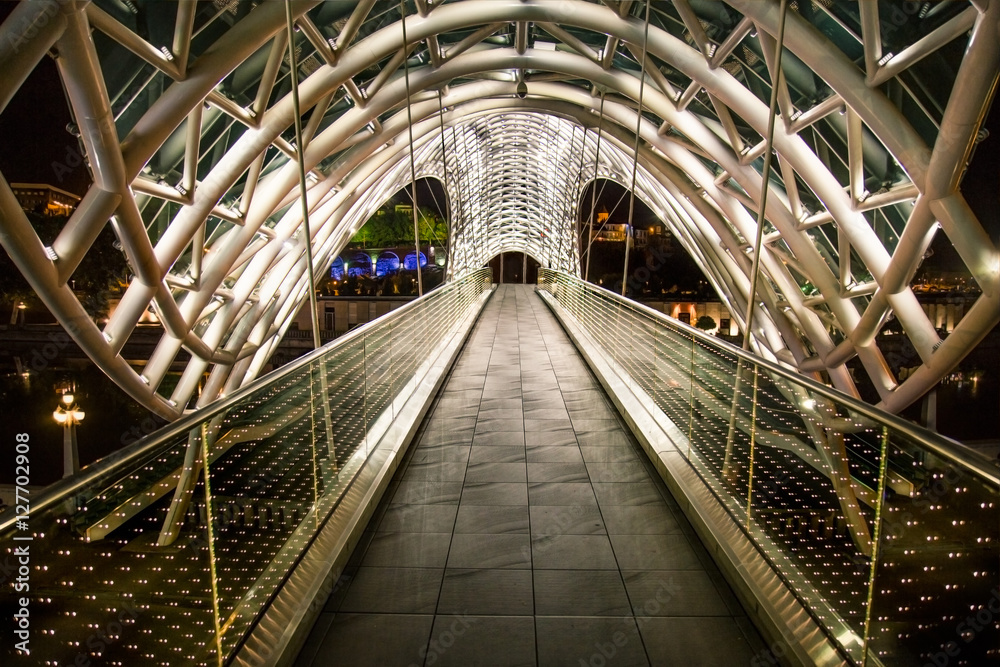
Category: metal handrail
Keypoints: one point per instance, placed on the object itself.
(150, 444)
(940, 445)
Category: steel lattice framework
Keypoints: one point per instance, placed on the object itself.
(516, 189)
(186, 120)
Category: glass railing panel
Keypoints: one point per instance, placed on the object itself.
(811, 517)
(139, 572)
(670, 388)
(378, 379)
(108, 494)
(936, 598)
(258, 534)
(804, 471)
(347, 397)
(675, 365)
(93, 601)
(720, 436)
(643, 355)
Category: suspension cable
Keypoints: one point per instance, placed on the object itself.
(593, 189)
(300, 154)
(765, 173)
(635, 160)
(413, 168)
(447, 193)
(612, 212)
(727, 463)
(577, 236)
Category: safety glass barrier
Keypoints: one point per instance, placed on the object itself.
(886, 532)
(153, 557)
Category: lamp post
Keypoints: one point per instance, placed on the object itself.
(17, 313)
(68, 418)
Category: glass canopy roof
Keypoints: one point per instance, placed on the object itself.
(185, 116)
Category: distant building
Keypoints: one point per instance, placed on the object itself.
(44, 198)
(689, 312)
(605, 230)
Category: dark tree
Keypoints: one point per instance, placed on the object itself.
(101, 274)
(705, 323)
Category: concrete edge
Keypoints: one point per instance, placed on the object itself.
(793, 635)
(281, 633)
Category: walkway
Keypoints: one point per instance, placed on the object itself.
(526, 527)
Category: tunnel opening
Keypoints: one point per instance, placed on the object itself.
(514, 268)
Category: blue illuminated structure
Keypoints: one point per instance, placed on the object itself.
(387, 263)
(360, 265)
(410, 262)
(337, 269)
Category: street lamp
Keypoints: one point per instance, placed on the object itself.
(17, 314)
(68, 418)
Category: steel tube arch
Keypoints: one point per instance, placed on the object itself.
(698, 168)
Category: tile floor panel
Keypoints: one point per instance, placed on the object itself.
(574, 641)
(526, 527)
(487, 592)
(492, 519)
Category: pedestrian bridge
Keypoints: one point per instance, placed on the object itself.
(521, 475)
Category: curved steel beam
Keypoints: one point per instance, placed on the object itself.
(251, 271)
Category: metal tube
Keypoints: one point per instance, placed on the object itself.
(191, 150)
(413, 167)
(19, 54)
(300, 154)
(350, 29)
(183, 30)
(117, 31)
(268, 76)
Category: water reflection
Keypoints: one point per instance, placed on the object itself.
(113, 418)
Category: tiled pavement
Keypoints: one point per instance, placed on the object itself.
(527, 528)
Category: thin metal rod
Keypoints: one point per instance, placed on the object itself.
(593, 189)
(209, 527)
(753, 442)
(635, 156)
(413, 167)
(727, 469)
(300, 154)
(876, 541)
(578, 237)
(608, 219)
(449, 210)
(765, 175)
